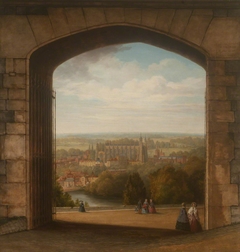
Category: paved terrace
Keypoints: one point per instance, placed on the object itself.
(119, 231)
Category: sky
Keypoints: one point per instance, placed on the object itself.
(130, 88)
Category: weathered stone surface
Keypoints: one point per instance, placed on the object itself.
(217, 127)
(233, 93)
(219, 105)
(42, 28)
(6, 116)
(94, 16)
(221, 116)
(222, 147)
(13, 194)
(1, 80)
(2, 104)
(149, 17)
(59, 21)
(16, 211)
(235, 166)
(18, 81)
(16, 171)
(222, 80)
(114, 15)
(219, 172)
(215, 67)
(2, 128)
(237, 140)
(3, 179)
(222, 38)
(180, 21)
(232, 66)
(17, 40)
(235, 178)
(164, 20)
(9, 65)
(75, 19)
(133, 16)
(2, 167)
(15, 105)
(17, 94)
(19, 66)
(14, 147)
(20, 116)
(223, 214)
(217, 93)
(220, 13)
(233, 12)
(234, 127)
(235, 212)
(3, 211)
(3, 93)
(2, 65)
(16, 128)
(237, 154)
(196, 35)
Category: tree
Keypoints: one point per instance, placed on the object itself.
(62, 199)
(134, 189)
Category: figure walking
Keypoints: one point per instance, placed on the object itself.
(81, 207)
(151, 208)
(182, 220)
(193, 217)
(145, 207)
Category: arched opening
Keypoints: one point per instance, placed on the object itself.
(42, 64)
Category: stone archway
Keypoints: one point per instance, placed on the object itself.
(52, 35)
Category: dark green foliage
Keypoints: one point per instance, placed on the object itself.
(134, 189)
(62, 199)
(197, 185)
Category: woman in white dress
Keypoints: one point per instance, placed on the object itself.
(193, 217)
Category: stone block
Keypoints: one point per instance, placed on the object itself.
(218, 216)
(219, 105)
(59, 21)
(237, 154)
(222, 80)
(20, 116)
(180, 21)
(235, 213)
(3, 93)
(14, 147)
(76, 20)
(3, 179)
(196, 35)
(9, 65)
(2, 105)
(232, 66)
(94, 16)
(235, 166)
(217, 127)
(17, 94)
(219, 28)
(114, 15)
(1, 80)
(233, 12)
(6, 116)
(216, 93)
(19, 66)
(41, 27)
(13, 194)
(216, 67)
(202, 12)
(16, 211)
(18, 81)
(219, 172)
(18, 39)
(233, 93)
(149, 17)
(16, 128)
(234, 127)
(221, 116)
(15, 105)
(222, 147)
(237, 140)
(2, 128)
(220, 12)
(164, 20)
(16, 171)
(235, 178)
(2, 167)
(2, 65)
(133, 16)
(4, 211)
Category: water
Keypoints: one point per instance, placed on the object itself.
(95, 201)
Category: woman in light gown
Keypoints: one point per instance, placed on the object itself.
(193, 217)
(151, 207)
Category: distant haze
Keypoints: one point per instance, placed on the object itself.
(130, 88)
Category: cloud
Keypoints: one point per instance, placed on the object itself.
(97, 86)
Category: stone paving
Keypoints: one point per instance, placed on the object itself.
(75, 236)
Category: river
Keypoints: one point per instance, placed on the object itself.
(94, 201)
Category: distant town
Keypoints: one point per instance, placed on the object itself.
(80, 160)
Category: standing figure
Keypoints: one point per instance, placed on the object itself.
(182, 220)
(81, 207)
(193, 217)
(145, 207)
(152, 208)
(139, 207)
